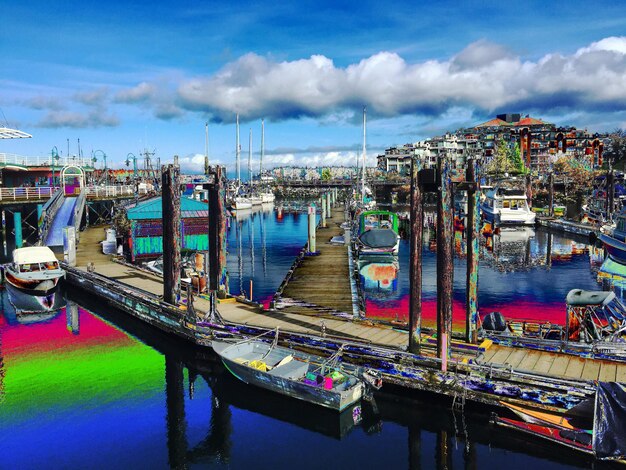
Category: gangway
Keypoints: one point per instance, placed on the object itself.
(69, 213)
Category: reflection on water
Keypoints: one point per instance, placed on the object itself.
(101, 389)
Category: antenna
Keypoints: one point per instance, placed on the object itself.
(206, 148)
(238, 149)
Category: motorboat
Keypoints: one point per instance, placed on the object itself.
(241, 202)
(377, 233)
(295, 374)
(267, 197)
(507, 205)
(34, 271)
(614, 239)
(595, 326)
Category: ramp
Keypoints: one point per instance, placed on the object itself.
(63, 218)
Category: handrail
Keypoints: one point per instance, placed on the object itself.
(48, 213)
(79, 208)
(21, 194)
(11, 158)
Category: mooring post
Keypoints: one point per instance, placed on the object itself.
(473, 231)
(549, 250)
(551, 194)
(17, 222)
(312, 246)
(328, 206)
(323, 204)
(610, 194)
(171, 232)
(529, 190)
(415, 263)
(445, 267)
(218, 277)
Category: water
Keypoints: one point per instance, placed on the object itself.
(93, 388)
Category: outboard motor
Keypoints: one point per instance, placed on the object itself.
(494, 321)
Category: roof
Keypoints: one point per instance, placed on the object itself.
(33, 254)
(495, 122)
(152, 209)
(529, 121)
(6, 133)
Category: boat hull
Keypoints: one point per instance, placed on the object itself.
(616, 248)
(509, 217)
(37, 287)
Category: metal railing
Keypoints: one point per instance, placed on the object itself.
(11, 158)
(25, 194)
(112, 191)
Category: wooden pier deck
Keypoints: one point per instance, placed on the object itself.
(543, 363)
(321, 282)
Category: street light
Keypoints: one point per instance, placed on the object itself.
(104, 155)
(134, 164)
(55, 156)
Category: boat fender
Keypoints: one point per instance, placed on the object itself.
(494, 321)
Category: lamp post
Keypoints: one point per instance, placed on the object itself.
(54, 153)
(106, 175)
(134, 164)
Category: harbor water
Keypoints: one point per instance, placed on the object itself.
(89, 387)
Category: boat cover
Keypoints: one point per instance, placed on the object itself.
(579, 297)
(609, 440)
(379, 238)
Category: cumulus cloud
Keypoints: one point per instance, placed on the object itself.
(94, 97)
(41, 102)
(483, 76)
(140, 93)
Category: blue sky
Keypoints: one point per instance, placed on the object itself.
(122, 76)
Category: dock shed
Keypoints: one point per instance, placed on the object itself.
(146, 227)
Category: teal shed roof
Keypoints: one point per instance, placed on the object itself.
(152, 209)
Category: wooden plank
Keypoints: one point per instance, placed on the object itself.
(529, 360)
(575, 368)
(559, 366)
(501, 356)
(489, 353)
(620, 375)
(516, 358)
(608, 372)
(591, 370)
(544, 362)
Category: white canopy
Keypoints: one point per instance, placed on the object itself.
(33, 254)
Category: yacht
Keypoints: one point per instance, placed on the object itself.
(34, 271)
(507, 205)
(614, 240)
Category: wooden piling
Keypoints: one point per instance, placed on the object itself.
(17, 223)
(171, 232)
(323, 205)
(529, 190)
(610, 194)
(415, 263)
(473, 233)
(551, 194)
(445, 266)
(312, 246)
(218, 276)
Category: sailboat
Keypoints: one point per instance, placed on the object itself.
(239, 201)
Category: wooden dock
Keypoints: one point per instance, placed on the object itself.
(292, 320)
(320, 283)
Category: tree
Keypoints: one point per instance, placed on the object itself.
(616, 147)
(515, 157)
(577, 178)
(326, 174)
(501, 162)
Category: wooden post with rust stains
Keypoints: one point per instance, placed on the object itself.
(218, 276)
(473, 232)
(415, 263)
(551, 194)
(171, 233)
(445, 266)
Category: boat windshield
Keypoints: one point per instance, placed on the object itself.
(33, 267)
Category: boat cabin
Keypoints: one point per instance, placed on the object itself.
(34, 259)
(378, 220)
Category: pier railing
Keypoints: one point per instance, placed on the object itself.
(26, 194)
(13, 159)
(93, 192)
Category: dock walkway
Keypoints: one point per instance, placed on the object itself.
(548, 364)
(321, 282)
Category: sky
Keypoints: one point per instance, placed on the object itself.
(127, 76)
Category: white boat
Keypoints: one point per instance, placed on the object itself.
(255, 200)
(241, 202)
(268, 197)
(34, 271)
(291, 373)
(507, 206)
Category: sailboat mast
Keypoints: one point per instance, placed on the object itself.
(364, 152)
(262, 149)
(206, 148)
(250, 159)
(237, 154)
